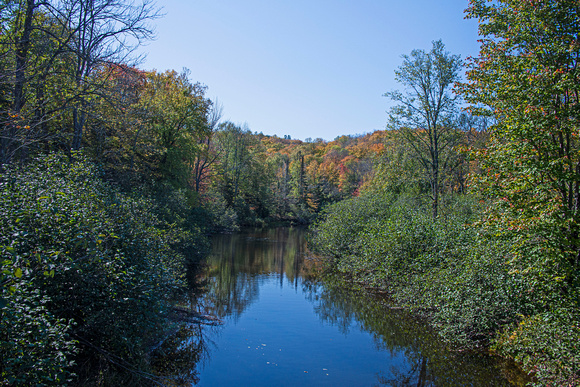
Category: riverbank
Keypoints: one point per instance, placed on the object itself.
(453, 273)
(89, 275)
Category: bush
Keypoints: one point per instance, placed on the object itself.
(547, 344)
(36, 347)
(456, 273)
(341, 223)
(95, 265)
(445, 270)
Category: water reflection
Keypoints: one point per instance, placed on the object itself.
(240, 263)
(429, 362)
(292, 329)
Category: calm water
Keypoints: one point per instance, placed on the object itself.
(282, 329)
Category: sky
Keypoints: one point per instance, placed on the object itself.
(303, 68)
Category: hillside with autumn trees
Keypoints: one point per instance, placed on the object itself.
(465, 209)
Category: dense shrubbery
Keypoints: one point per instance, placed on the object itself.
(454, 273)
(87, 273)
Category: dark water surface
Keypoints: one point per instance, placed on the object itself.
(281, 328)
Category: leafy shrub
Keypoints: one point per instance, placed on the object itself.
(444, 270)
(457, 274)
(341, 223)
(95, 265)
(547, 344)
(36, 347)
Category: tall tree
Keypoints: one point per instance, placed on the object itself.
(66, 43)
(19, 21)
(178, 120)
(527, 76)
(105, 31)
(426, 111)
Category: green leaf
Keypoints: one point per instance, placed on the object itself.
(18, 273)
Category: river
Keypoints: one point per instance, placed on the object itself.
(281, 327)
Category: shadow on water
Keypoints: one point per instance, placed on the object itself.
(241, 274)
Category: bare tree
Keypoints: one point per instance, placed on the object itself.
(207, 155)
(63, 40)
(105, 31)
(425, 114)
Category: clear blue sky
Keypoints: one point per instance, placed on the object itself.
(305, 68)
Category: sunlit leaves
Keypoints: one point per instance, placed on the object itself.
(527, 77)
(425, 111)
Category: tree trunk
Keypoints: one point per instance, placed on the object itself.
(21, 58)
(79, 118)
(9, 143)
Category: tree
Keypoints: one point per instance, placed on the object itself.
(26, 54)
(177, 121)
(104, 31)
(207, 155)
(528, 77)
(242, 175)
(233, 143)
(425, 113)
(52, 60)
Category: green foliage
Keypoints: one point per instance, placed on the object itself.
(36, 346)
(243, 179)
(333, 234)
(446, 270)
(396, 170)
(425, 114)
(527, 77)
(177, 111)
(94, 265)
(547, 344)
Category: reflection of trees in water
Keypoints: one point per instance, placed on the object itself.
(187, 343)
(226, 285)
(238, 264)
(231, 296)
(176, 358)
(429, 362)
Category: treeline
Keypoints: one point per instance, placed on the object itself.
(480, 236)
(68, 84)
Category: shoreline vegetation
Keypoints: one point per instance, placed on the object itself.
(111, 178)
(320, 269)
